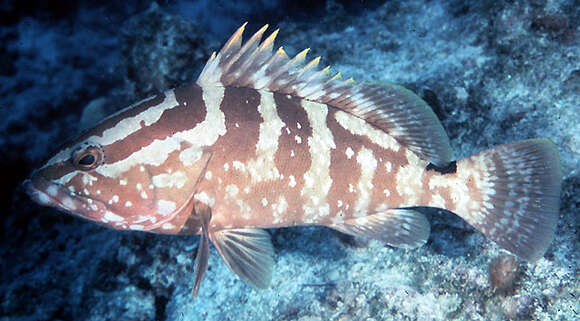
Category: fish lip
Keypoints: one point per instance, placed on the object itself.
(37, 188)
(33, 187)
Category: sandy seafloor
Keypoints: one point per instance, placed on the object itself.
(494, 72)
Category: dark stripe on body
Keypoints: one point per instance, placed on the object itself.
(291, 113)
(190, 112)
(239, 105)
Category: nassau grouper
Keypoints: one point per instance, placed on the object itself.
(262, 140)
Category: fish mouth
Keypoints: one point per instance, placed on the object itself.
(47, 193)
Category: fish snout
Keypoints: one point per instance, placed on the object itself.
(37, 189)
(47, 193)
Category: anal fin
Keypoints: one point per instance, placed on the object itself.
(398, 227)
(248, 253)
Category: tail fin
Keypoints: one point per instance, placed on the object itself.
(519, 186)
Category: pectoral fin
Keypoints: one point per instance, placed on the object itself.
(405, 228)
(203, 212)
(248, 253)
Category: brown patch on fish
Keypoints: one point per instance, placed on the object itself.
(292, 158)
(344, 171)
(189, 112)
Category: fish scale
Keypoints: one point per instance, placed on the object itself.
(262, 140)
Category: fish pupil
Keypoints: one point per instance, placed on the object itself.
(87, 160)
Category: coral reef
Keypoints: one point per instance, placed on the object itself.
(494, 72)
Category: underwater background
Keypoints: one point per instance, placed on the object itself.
(493, 72)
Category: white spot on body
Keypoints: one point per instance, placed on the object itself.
(368, 165)
(204, 198)
(239, 166)
(123, 182)
(165, 207)
(167, 226)
(338, 219)
(52, 190)
(245, 209)
(176, 179)
(128, 204)
(68, 203)
(388, 166)
(292, 181)
(232, 190)
(279, 208)
(112, 217)
(349, 153)
(88, 179)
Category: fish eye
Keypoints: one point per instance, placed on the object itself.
(89, 158)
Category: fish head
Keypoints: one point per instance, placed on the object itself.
(120, 185)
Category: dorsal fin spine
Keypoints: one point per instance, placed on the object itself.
(234, 43)
(277, 59)
(243, 57)
(280, 79)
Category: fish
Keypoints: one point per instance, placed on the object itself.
(261, 140)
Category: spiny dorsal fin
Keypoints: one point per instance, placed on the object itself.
(391, 108)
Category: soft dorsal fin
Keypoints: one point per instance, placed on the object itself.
(391, 108)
